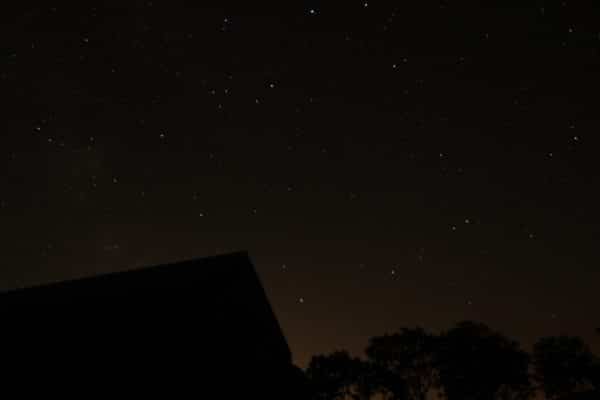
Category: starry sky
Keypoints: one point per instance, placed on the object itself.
(385, 163)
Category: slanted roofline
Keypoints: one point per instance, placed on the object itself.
(236, 255)
(222, 291)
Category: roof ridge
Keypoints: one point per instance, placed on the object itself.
(136, 269)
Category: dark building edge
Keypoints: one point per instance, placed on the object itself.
(229, 260)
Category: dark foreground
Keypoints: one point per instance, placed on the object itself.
(202, 327)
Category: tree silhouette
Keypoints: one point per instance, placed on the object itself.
(476, 363)
(467, 362)
(380, 380)
(406, 356)
(564, 365)
(340, 376)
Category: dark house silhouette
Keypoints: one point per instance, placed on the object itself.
(201, 328)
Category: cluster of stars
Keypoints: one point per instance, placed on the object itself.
(362, 127)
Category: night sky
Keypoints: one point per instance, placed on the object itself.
(385, 163)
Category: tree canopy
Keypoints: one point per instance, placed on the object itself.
(469, 361)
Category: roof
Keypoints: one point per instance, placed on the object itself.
(215, 305)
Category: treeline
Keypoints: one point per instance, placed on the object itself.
(467, 362)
